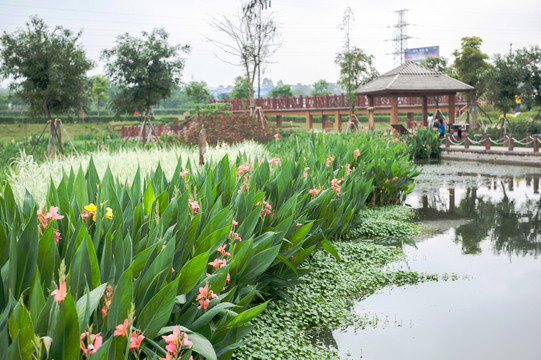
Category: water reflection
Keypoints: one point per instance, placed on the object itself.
(503, 209)
(484, 222)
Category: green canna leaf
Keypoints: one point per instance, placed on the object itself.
(21, 327)
(87, 304)
(158, 310)
(122, 299)
(191, 273)
(66, 333)
(247, 315)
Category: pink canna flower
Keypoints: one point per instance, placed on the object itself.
(107, 299)
(243, 169)
(235, 223)
(122, 329)
(52, 214)
(184, 173)
(356, 152)
(194, 205)
(135, 340)
(60, 292)
(275, 161)
(93, 343)
(330, 159)
(204, 296)
(56, 237)
(265, 210)
(314, 191)
(222, 251)
(276, 136)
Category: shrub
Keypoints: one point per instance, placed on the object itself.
(226, 127)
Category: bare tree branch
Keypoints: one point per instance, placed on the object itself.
(253, 39)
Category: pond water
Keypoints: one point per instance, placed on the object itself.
(484, 224)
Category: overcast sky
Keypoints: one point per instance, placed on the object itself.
(310, 37)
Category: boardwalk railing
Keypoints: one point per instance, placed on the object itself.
(508, 141)
(333, 102)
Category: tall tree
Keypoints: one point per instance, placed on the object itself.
(504, 80)
(356, 67)
(48, 69)
(145, 70)
(321, 87)
(530, 61)
(470, 63)
(197, 92)
(253, 40)
(241, 89)
(100, 90)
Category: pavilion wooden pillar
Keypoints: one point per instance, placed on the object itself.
(338, 121)
(371, 122)
(278, 121)
(394, 110)
(451, 109)
(425, 111)
(309, 121)
(324, 121)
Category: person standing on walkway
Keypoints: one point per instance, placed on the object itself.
(442, 129)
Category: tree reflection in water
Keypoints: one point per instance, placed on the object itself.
(512, 227)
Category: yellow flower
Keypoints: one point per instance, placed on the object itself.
(109, 213)
(91, 208)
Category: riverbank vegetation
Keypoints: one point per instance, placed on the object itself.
(155, 263)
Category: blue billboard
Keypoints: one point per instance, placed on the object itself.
(419, 54)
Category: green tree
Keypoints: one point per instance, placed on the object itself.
(241, 90)
(440, 64)
(145, 70)
(197, 92)
(530, 61)
(100, 91)
(48, 69)
(321, 87)
(281, 91)
(356, 69)
(504, 80)
(470, 64)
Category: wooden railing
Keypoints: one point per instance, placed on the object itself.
(333, 102)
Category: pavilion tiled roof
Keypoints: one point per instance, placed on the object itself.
(412, 78)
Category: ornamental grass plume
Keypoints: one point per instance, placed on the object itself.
(27, 174)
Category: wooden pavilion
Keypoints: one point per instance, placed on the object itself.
(411, 80)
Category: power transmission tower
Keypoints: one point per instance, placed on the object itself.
(401, 38)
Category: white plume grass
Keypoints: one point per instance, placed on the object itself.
(27, 174)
